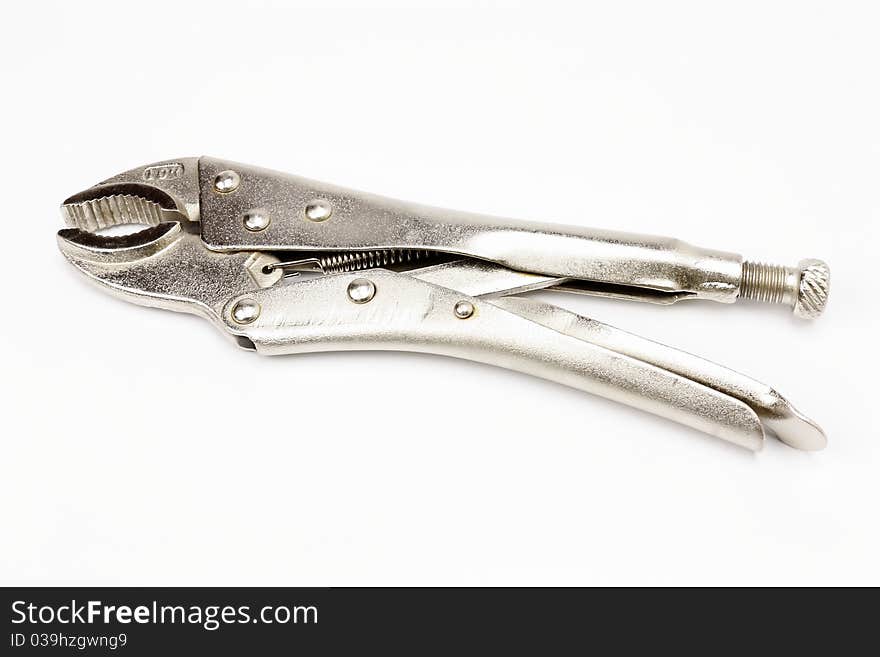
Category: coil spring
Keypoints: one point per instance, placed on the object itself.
(357, 260)
(349, 261)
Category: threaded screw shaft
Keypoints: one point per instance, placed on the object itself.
(763, 282)
(804, 288)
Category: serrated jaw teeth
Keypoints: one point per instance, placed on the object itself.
(114, 210)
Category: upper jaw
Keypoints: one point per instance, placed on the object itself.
(148, 195)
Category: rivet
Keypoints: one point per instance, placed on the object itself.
(245, 311)
(463, 309)
(255, 220)
(361, 290)
(226, 182)
(318, 210)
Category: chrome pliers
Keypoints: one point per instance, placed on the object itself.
(286, 265)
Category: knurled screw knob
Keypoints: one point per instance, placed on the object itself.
(805, 287)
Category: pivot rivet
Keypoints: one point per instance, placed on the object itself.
(318, 210)
(226, 182)
(463, 309)
(256, 220)
(245, 311)
(361, 290)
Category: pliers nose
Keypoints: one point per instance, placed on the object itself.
(148, 195)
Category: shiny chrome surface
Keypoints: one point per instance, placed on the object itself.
(220, 238)
(408, 314)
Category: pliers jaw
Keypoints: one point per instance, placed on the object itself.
(167, 266)
(147, 195)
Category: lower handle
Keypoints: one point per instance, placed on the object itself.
(405, 314)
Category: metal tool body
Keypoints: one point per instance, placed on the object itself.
(227, 241)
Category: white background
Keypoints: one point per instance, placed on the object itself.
(140, 448)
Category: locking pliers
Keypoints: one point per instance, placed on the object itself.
(283, 265)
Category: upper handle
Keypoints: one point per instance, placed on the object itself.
(246, 208)
(297, 214)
